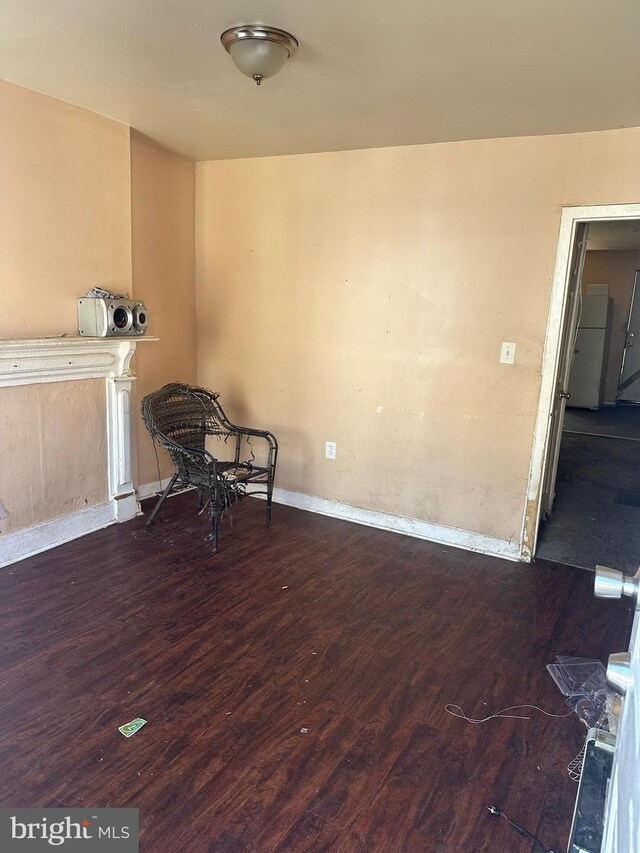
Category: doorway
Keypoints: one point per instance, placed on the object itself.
(590, 492)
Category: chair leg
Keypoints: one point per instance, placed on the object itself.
(215, 519)
(163, 496)
(214, 534)
(200, 499)
(269, 502)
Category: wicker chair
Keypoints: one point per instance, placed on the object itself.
(179, 417)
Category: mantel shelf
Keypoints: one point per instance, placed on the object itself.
(71, 340)
(27, 361)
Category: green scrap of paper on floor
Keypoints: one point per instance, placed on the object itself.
(131, 728)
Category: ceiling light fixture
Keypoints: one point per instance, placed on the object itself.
(258, 51)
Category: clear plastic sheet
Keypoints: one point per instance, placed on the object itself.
(570, 674)
(583, 681)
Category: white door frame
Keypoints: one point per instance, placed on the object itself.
(571, 216)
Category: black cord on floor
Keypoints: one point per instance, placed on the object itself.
(520, 829)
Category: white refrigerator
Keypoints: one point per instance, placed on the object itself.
(589, 366)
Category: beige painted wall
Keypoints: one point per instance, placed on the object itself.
(65, 211)
(65, 226)
(362, 297)
(54, 454)
(355, 296)
(617, 269)
(80, 202)
(163, 233)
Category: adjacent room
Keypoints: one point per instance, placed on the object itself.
(595, 514)
(319, 426)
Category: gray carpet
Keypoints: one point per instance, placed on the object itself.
(596, 514)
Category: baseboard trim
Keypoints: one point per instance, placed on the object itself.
(441, 533)
(148, 490)
(25, 543)
(152, 490)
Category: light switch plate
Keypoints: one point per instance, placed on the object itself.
(508, 352)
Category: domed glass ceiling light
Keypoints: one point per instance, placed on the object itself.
(258, 51)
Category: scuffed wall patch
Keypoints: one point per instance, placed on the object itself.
(529, 532)
(3, 515)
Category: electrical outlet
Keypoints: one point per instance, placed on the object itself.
(508, 352)
(330, 449)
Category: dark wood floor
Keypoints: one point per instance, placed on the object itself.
(372, 636)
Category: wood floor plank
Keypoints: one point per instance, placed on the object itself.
(312, 834)
(294, 685)
(361, 771)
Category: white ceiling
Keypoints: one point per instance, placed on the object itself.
(368, 73)
(622, 235)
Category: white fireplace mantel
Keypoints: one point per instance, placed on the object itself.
(27, 361)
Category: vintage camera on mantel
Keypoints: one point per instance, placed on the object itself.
(111, 317)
